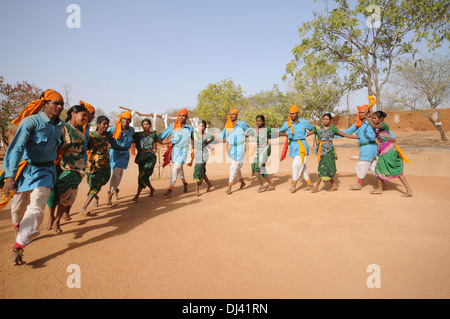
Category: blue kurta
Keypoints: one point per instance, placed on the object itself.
(119, 151)
(180, 140)
(223, 135)
(368, 148)
(236, 140)
(36, 141)
(299, 134)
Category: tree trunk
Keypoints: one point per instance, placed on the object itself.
(438, 127)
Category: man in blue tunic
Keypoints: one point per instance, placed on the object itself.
(235, 134)
(180, 134)
(298, 148)
(368, 148)
(119, 152)
(35, 145)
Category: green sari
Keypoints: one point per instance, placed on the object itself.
(98, 166)
(327, 162)
(70, 169)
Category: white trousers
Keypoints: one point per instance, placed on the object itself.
(27, 210)
(116, 178)
(363, 167)
(235, 171)
(298, 168)
(177, 172)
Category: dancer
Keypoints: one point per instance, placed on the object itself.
(235, 135)
(367, 145)
(70, 166)
(390, 156)
(145, 142)
(200, 141)
(119, 152)
(86, 130)
(298, 150)
(98, 170)
(35, 144)
(326, 152)
(262, 152)
(180, 134)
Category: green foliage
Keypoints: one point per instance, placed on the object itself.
(14, 98)
(362, 42)
(214, 102)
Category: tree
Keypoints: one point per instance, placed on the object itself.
(364, 41)
(422, 83)
(273, 104)
(14, 98)
(214, 102)
(318, 86)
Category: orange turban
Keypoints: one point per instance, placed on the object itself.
(294, 109)
(36, 106)
(229, 124)
(90, 109)
(118, 128)
(363, 108)
(177, 126)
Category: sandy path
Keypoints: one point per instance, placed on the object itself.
(249, 245)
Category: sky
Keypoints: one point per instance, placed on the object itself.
(150, 56)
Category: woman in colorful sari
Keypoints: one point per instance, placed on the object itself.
(69, 165)
(326, 152)
(145, 142)
(200, 141)
(262, 151)
(98, 170)
(390, 156)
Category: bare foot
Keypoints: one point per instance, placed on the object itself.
(83, 212)
(117, 194)
(334, 188)
(356, 186)
(314, 189)
(152, 190)
(376, 191)
(261, 189)
(271, 188)
(50, 222)
(185, 187)
(135, 198)
(66, 216)
(408, 194)
(95, 201)
(209, 188)
(242, 185)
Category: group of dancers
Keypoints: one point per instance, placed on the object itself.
(48, 158)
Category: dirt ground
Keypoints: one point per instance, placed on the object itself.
(271, 245)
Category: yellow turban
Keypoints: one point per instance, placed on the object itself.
(36, 106)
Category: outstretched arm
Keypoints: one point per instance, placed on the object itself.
(346, 135)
